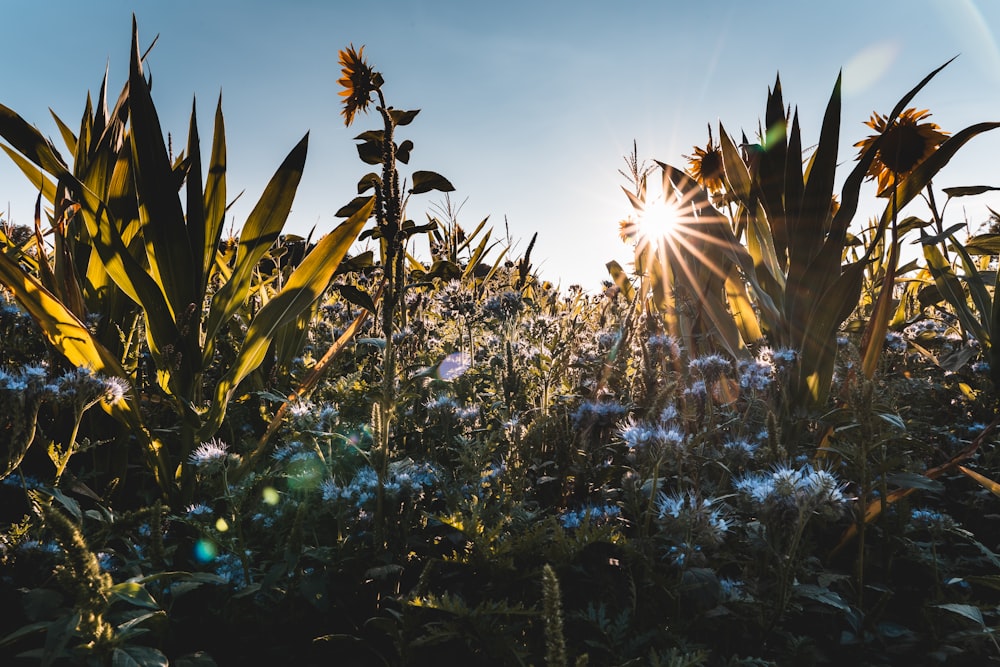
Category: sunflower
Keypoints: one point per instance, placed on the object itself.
(906, 143)
(359, 82)
(628, 229)
(706, 165)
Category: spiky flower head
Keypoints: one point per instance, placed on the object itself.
(706, 165)
(359, 81)
(209, 454)
(906, 142)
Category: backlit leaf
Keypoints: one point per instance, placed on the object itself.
(425, 181)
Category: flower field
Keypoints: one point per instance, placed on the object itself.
(767, 441)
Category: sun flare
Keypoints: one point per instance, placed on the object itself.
(657, 222)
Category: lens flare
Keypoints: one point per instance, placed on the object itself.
(454, 365)
(680, 235)
(270, 495)
(205, 551)
(305, 474)
(657, 223)
(866, 68)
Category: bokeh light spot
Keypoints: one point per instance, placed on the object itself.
(305, 473)
(868, 66)
(270, 495)
(221, 525)
(454, 365)
(205, 551)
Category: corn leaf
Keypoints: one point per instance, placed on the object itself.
(215, 196)
(950, 288)
(304, 286)
(168, 248)
(260, 231)
(620, 278)
(986, 482)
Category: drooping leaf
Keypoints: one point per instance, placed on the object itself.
(357, 297)
(367, 182)
(425, 181)
(966, 610)
(911, 480)
(400, 118)
(620, 279)
(135, 655)
(352, 207)
(968, 191)
(984, 244)
(403, 151)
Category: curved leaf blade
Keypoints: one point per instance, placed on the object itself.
(304, 286)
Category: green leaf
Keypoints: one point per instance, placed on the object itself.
(356, 296)
(367, 182)
(168, 247)
(352, 207)
(912, 480)
(30, 143)
(35, 175)
(425, 181)
(815, 211)
(215, 196)
(984, 244)
(199, 659)
(60, 326)
(966, 610)
(937, 238)
(737, 176)
(951, 289)
(304, 286)
(403, 151)
(135, 593)
(24, 631)
(988, 580)
(400, 117)
(370, 152)
(260, 231)
(58, 636)
(444, 270)
(138, 656)
(969, 190)
(822, 595)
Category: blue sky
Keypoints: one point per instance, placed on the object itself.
(527, 107)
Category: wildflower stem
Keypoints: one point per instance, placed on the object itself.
(61, 457)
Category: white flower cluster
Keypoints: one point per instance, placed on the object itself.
(640, 435)
(413, 478)
(210, 455)
(701, 520)
(807, 489)
(590, 515)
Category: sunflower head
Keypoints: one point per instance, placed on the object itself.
(906, 143)
(706, 166)
(628, 229)
(359, 82)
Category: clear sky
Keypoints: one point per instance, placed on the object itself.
(527, 106)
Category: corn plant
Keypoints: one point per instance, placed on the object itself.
(162, 253)
(774, 268)
(970, 291)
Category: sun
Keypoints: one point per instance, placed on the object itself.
(657, 223)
